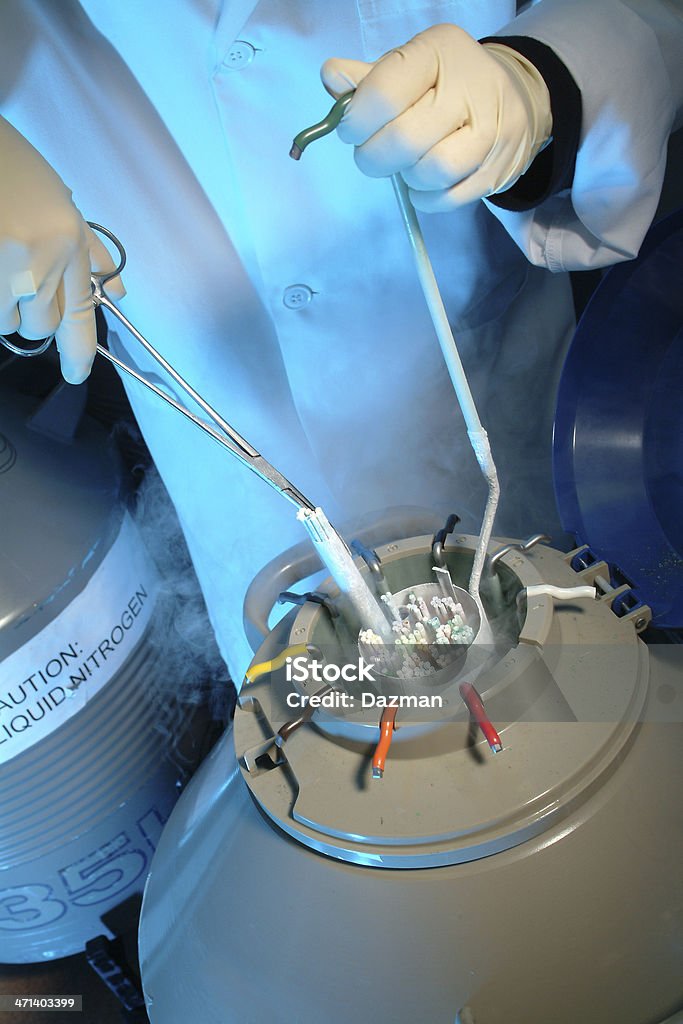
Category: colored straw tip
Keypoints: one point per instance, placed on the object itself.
(295, 152)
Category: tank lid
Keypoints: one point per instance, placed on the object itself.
(618, 440)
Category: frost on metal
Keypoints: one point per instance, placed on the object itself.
(339, 561)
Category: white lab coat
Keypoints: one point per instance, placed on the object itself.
(173, 127)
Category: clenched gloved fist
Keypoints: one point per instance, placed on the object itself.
(46, 253)
(458, 119)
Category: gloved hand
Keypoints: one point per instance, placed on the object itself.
(457, 119)
(46, 253)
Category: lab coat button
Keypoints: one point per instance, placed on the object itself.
(296, 296)
(239, 55)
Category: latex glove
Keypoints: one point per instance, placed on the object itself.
(46, 254)
(459, 120)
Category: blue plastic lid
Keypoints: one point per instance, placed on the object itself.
(618, 441)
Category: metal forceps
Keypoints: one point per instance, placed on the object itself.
(219, 429)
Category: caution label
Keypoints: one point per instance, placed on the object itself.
(54, 675)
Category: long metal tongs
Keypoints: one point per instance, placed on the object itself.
(221, 431)
(226, 435)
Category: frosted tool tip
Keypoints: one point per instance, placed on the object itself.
(377, 773)
(295, 152)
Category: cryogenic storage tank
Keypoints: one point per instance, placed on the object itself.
(85, 781)
(541, 883)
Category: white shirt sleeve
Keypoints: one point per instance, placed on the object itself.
(626, 57)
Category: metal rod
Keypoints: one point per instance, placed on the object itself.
(475, 431)
(430, 288)
(523, 546)
(102, 299)
(227, 437)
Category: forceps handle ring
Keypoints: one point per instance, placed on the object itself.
(98, 280)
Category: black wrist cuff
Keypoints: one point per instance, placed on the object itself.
(553, 169)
